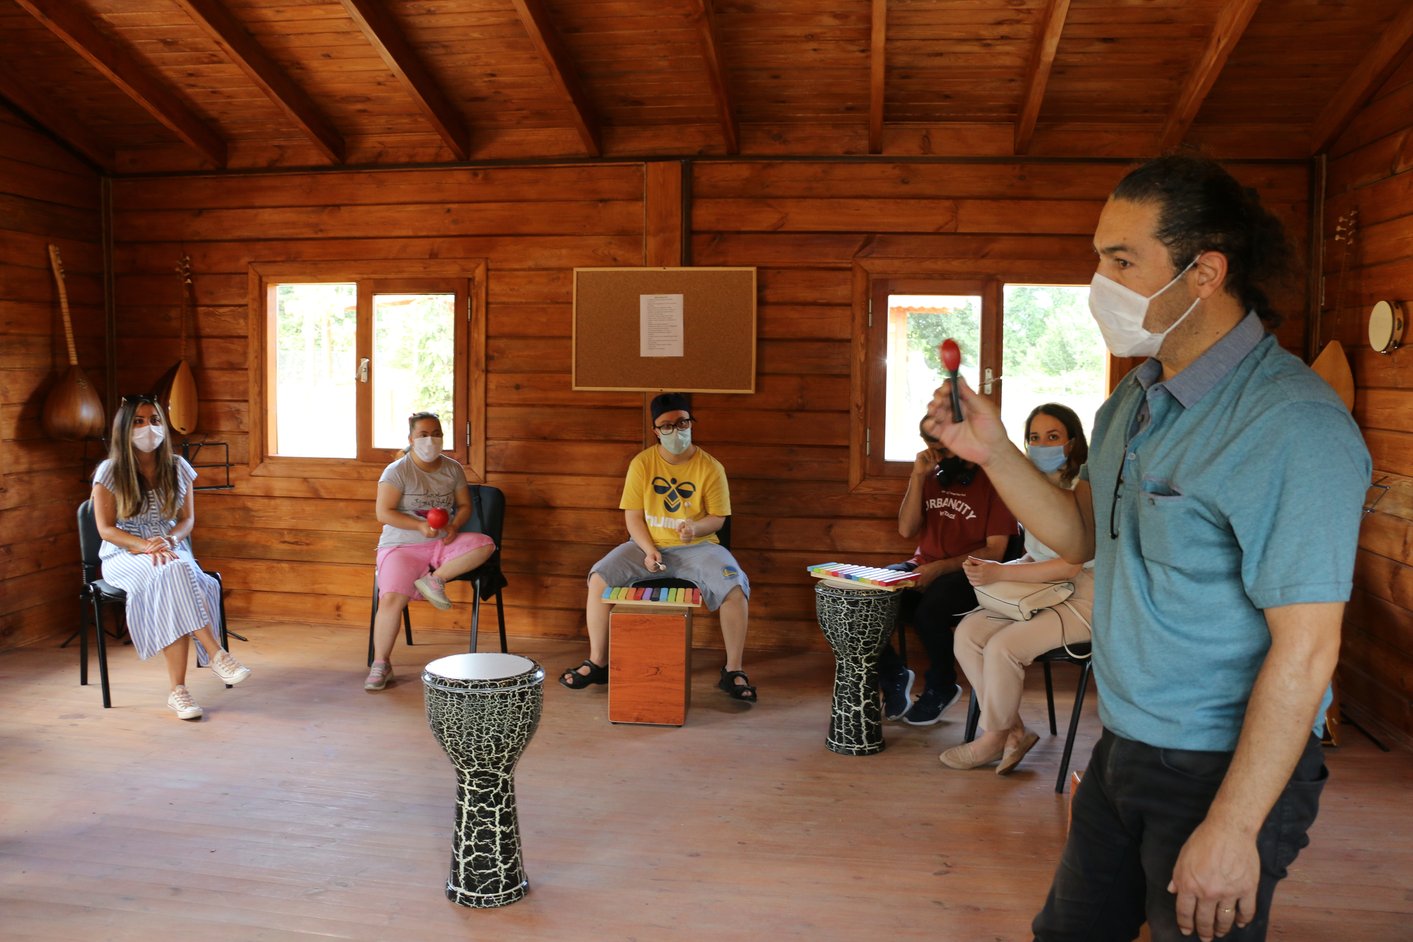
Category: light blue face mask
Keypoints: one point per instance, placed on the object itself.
(676, 442)
(1048, 458)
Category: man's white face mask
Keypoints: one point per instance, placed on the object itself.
(1121, 312)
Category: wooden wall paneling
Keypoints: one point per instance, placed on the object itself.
(46, 195)
(1371, 172)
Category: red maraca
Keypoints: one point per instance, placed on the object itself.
(436, 518)
(951, 356)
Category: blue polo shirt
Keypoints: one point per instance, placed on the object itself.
(1239, 487)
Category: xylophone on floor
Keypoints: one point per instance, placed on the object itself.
(692, 598)
(863, 577)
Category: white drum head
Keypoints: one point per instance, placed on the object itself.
(488, 666)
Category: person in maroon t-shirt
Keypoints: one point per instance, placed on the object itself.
(954, 513)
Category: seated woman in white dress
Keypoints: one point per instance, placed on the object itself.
(145, 509)
(994, 651)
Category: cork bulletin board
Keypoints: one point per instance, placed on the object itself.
(653, 329)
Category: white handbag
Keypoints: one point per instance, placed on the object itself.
(1018, 601)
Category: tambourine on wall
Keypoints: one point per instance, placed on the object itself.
(1386, 321)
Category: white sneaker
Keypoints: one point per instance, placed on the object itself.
(378, 676)
(434, 591)
(181, 702)
(225, 666)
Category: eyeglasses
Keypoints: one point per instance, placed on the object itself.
(681, 425)
(1114, 507)
(134, 400)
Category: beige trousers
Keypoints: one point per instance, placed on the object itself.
(994, 651)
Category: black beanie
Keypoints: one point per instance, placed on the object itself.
(671, 402)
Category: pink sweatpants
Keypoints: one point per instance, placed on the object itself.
(400, 566)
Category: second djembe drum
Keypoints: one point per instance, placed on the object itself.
(856, 622)
(483, 709)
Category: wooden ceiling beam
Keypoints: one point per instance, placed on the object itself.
(1037, 73)
(71, 24)
(43, 112)
(710, 40)
(393, 46)
(877, 74)
(1226, 33)
(1373, 70)
(242, 49)
(539, 26)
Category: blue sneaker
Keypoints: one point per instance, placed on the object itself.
(929, 707)
(897, 693)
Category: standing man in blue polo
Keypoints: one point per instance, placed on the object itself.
(1221, 503)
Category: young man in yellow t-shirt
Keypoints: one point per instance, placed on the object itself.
(675, 499)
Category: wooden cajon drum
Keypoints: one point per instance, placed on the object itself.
(649, 663)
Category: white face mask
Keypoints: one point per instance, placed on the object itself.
(676, 442)
(427, 448)
(1121, 311)
(148, 437)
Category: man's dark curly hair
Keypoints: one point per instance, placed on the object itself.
(1202, 208)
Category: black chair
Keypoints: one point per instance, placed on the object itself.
(97, 593)
(488, 517)
(1079, 658)
(723, 536)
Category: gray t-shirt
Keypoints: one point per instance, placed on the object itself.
(421, 491)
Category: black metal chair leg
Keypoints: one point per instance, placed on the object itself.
(475, 613)
(372, 620)
(500, 616)
(102, 653)
(83, 645)
(973, 717)
(407, 624)
(1074, 726)
(1049, 696)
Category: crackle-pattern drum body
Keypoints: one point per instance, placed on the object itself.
(484, 708)
(856, 623)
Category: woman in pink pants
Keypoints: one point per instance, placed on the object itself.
(416, 559)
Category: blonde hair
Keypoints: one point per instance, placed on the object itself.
(127, 489)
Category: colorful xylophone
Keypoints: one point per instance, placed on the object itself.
(870, 577)
(691, 598)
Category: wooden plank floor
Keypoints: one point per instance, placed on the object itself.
(303, 807)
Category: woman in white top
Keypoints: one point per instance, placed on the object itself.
(415, 559)
(994, 651)
(145, 509)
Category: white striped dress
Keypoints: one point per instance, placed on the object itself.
(166, 601)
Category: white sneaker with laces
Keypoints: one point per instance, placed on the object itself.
(184, 706)
(434, 591)
(225, 666)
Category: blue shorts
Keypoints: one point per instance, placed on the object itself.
(708, 566)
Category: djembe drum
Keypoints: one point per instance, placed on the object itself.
(484, 708)
(856, 622)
